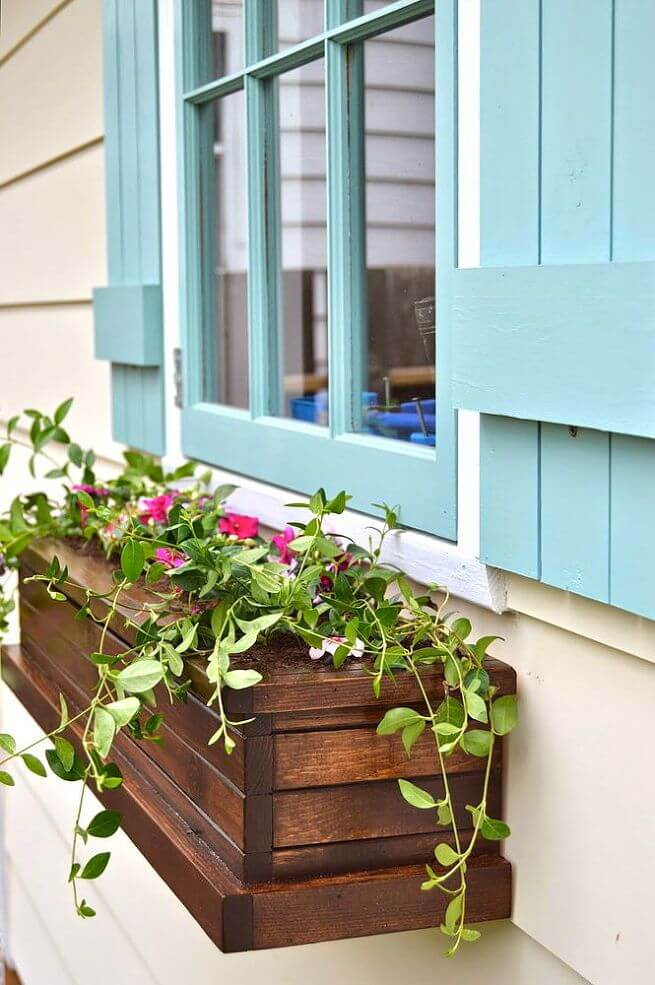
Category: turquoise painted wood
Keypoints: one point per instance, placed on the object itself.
(574, 506)
(256, 443)
(548, 343)
(509, 228)
(128, 324)
(596, 206)
(128, 317)
(510, 533)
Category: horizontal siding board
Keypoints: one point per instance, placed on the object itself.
(50, 91)
(509, 494)
(575, 510)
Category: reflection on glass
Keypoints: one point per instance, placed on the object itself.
(303, 221)
(219, 39)
(298, 20)
(223, 229)
(398, 392)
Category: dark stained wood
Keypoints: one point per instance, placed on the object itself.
(370, 853)
(318, 759)
(267, 914)
(373, 903)
(370, 810)
(305, 815)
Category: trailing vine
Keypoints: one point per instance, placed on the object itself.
(212, 587)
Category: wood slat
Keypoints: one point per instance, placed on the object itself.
(318, 759)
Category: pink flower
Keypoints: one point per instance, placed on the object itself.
(156, 509)
(168, 557)
(282, 542)
(332, 643)
(239, 526)
(90, 490)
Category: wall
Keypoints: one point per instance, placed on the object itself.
(578, 796)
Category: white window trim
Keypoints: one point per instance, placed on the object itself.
(424, 558)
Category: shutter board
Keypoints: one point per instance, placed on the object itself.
(549, 343)
(128, 312)
(581, 516)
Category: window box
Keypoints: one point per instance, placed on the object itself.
(301, 835)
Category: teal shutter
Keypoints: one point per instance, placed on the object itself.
(128, 312)
(555, 332)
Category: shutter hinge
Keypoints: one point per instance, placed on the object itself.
(178, 388)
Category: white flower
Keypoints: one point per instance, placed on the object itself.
(332, 643)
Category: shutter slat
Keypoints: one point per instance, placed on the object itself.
(128, 312)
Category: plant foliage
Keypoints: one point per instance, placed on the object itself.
(212, 587)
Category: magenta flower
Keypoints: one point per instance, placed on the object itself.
(156, 509)
(341, 563)
(169, 557)
(90, 490)
(282, 542)
(239, 526)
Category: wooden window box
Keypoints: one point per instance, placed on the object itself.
(301, 835)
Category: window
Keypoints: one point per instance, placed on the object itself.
(312, 291)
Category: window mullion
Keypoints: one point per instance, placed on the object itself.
(263, 156)
(346, 224)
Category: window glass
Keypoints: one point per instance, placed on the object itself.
(298, 20)
(398, 391)
(219, 39)
(304, 243)
(223, 230)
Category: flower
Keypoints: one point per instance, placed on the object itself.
(239, 526)
(282, 542)
(169, 557)
(341, 563)
(90, 490)
(156, 509)
(332, 643)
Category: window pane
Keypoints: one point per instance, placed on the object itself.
(398, 397)
(298, 20)
(224, 242)
(303, 221)
(219, 40)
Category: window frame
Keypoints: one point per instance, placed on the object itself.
(254, 442)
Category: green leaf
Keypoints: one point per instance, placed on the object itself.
(188, 638)
(132, 560)
(452, 711)
(95, 866)
(445, 728)
(454, 912)
(444, 814)
(260, 624)
(493, 829)
(468, 934)
(415, 795)
(483, 644)
(104, 824)
(5, 452)
(461, 628)
(75, 868)
(86, 911)
(76, 455)
(63, 410)
(54, 762)
(397, 718)
(411, 734)
(6, 778)
(63, 712)
(446, 855)
(101, 659)
(504, 714)
(477, 680)
(475, 706)
(123, 711)
(8, 743)
(174, 661)
(140, 676)
(104, 730)
(239, 679)
(65, 752)
(476, 742)
(84, 498)
(34, 764)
